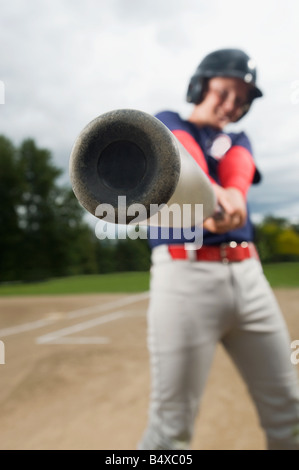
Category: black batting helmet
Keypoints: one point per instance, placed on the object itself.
(224, 63)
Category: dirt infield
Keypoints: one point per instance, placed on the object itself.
(76, 376)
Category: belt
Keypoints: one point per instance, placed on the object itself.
(225, 253)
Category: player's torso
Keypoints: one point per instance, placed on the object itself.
(213, 145)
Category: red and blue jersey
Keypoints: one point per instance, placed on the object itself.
(227, 160)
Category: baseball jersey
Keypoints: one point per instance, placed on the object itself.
(227, 160)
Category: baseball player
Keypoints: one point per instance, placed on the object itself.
(218, 292)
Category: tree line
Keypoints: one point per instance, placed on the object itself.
(43, 232)
(277, 240)
(42, 228)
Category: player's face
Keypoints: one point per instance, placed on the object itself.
(224, 101)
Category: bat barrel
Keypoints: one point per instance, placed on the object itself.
(125, 153)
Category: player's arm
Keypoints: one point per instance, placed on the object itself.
(190, 144)
(236, 171)
(234, 212)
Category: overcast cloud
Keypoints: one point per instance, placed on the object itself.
(64, 62)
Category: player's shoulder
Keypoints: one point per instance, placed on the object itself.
(172, 120)
(240, 138)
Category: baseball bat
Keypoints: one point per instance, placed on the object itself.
(129, 161)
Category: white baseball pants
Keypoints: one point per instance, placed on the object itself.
(193, 306)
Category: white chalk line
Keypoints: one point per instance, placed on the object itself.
(78, 327)
(13, 330)
(109, 306)
(81, 340)
(25, 327)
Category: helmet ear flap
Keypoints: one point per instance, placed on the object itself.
(195, 89)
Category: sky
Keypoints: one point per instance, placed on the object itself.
(65, 62)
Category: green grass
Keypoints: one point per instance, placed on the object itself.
(282, 274)
(278, 274)
(116, 282)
